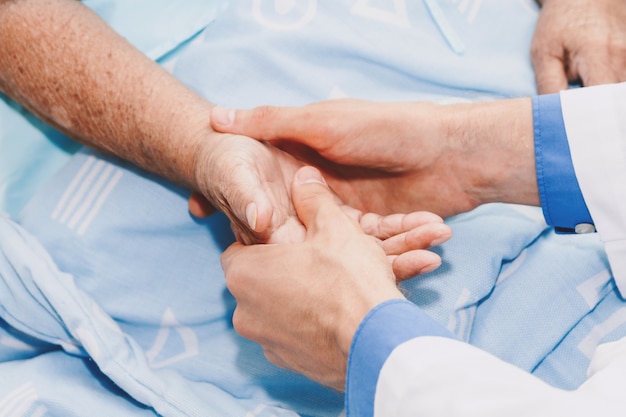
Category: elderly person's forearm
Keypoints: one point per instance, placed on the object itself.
(67, 66)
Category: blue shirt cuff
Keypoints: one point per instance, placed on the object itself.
(385, 327)
(561, 199)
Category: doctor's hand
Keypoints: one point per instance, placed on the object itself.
(579, 41)
(404, 157)
(303, 302)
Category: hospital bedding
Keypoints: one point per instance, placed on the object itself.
(112, 298)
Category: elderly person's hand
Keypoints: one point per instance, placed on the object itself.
(303, 302)
(403, 157)
(250, 182)
(579, 41)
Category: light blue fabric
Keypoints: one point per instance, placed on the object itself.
(163, 287)
(31, 153)
(157, 27)
(136, 257)
(537, 299)
(370, 49)
(39, 300)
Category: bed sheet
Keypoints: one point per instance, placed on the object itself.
(110, 287)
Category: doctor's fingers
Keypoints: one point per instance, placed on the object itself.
(384, 227)
(411, 264)
(421, 237)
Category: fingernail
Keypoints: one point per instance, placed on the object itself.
(251, 215)
(438, 241)
(309, 175)
(430, 268)
(223, 116)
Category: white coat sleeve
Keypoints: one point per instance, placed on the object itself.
(433, 374)
(595, 122)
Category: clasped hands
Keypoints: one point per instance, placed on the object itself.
(324, 264)
(303, 301)
(327, 263)
(251, 182)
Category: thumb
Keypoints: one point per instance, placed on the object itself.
(262, 123)
(312, 197)
(223, 119)
(268, 123)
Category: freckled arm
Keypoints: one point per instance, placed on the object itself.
(68, 67)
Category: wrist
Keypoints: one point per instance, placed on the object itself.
(354, 313)
(492, 144)
(188, 142)
(204, 147)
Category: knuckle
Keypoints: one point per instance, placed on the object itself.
(242, 325)
(233, 280)
(277, 359)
